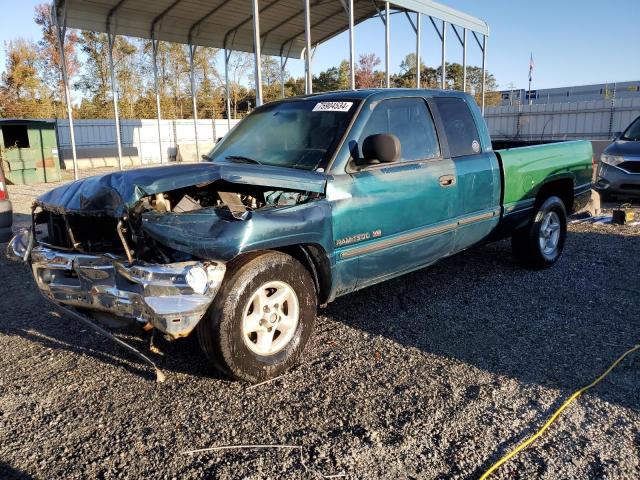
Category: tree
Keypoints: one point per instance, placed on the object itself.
(20, 78)
(271, 80)
(177, 78)
(23, 94)
(128, 75)
(334, 78)
(239, 65)
(49, 64)
(95, 80)
(366, 75)
(208, 81)
(407, 76)
(294, 86)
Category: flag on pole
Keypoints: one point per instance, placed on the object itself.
(531, 65)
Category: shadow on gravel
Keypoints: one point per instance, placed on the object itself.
(557, 328)
(7, 472)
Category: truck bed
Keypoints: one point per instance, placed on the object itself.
(525, 169)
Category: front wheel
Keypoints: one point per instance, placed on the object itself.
(541, 242)
(261, 319)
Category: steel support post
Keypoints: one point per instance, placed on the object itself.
(387, 43)
(227, 55)
(464, 59)
(154, 44)
(257, 76)
(352, 48)
(62, 31)
(484, 68)
(443, 80)
(114, 94)
(194, 103)
(307, 37)
(282, 77)
(418, 42)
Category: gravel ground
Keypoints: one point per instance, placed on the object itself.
(432, 375)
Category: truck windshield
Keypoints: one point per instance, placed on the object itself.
(297, 134)
(633, 132)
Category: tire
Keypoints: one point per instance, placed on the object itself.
(226, 333)
(6, 214)
(5, 234)
(535, 248)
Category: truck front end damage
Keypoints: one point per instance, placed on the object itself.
(172, 297)
(150, 246)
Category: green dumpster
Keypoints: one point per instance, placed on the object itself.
(29, 151)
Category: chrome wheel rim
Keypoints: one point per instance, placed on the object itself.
(270, 318)
(549, 233)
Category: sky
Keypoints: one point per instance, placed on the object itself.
(573, 42)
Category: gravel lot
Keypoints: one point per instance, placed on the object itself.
(432, 375)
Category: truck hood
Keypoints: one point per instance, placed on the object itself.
(114, 194)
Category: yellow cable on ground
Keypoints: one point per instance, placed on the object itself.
(555, 415)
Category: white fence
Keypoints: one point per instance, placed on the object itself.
(597, 119)
(97, 138)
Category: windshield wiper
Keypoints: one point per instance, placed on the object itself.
(240, 158)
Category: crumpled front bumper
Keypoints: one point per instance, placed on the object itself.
(154, 293)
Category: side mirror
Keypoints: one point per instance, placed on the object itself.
(617, 136)
(381, 148)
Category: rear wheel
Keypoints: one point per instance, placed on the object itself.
(261, 319)
(540, 244)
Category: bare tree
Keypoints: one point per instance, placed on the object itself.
(49, 65)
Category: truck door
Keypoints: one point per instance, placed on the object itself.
(477, 170)
(399, 216)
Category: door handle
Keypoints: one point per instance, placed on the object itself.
(447, 180)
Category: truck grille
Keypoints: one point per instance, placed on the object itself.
(630, 167)
(92, 234)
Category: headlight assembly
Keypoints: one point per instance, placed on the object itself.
(204, 278)
(612, 160)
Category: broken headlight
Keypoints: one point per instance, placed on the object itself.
(202, 278)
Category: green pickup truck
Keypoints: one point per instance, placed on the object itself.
(306, 199)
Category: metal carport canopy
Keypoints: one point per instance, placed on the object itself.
(228, 23)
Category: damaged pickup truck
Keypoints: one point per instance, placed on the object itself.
(305, 200)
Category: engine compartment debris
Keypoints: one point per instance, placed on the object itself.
(104, 233)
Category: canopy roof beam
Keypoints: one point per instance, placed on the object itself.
(208, 15)
(162, 14)
(206, 23)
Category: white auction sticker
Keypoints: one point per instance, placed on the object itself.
(332, 106)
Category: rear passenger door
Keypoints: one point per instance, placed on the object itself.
(477, 171)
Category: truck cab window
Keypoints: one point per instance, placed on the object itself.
(297, 134)
(459, 126)
(408, 119)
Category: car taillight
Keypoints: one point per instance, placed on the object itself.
(3, 191)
